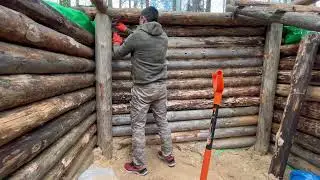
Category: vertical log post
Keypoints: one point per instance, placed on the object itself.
(103, 84)
(299, 83)
(268, 86)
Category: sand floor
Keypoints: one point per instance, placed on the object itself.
(239, 164)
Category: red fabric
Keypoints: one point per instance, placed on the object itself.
(117, 39)
(121, 27)
(131, 167)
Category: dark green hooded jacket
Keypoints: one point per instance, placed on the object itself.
(148, 47)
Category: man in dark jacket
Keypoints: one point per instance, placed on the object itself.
(148, 46)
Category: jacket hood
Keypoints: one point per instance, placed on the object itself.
(152, 28)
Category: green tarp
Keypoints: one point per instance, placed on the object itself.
(293, 35)
(73, 15)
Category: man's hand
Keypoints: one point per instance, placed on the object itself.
(121, 27)
(117, 39)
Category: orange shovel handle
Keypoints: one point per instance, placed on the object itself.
(205, 164)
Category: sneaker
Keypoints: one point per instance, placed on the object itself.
(132, 168)
(168, 159)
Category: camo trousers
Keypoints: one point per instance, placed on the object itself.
(144, 97)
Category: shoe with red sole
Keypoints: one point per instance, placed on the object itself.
(132, 168)
(168, 159)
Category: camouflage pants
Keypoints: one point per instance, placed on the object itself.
(152, 96)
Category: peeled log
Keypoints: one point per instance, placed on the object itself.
(285, 77)
(191, 136)
(196, 83)
(66, 161)
(180, 18)
(191, 114)
(125, 96)
(197, 73)
(44, 14)
(16, 122)
(313, 92)
(37, 168)
(16, 59)
(191, 31)
(209, 42)
(177, 105)
(18, 28)
(23, 89)
(309, 109)
(198, 64)
(41, 138)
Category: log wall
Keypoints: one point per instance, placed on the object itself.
(305, 152)
(47, 95)
(194, 53)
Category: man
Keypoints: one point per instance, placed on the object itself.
(148, 46)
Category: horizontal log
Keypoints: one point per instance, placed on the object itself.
(19, 90)
(43, 14)
(289, 50)
(48, 158)
(65, 162)
(299, 163)
(309, 142)
(191, 136)
(31, 144)
(177, 105)
(16, 59)
(284, 77)
(287, 63)
(123, 119)
(196, 83)
(303, 2)
(223, 128)
(125, 96)
(305, 125)
(82, 162)
(197, 73)
(313, 92)
(309, 109)
(209, 42)
(180, 18)
(207, 31)
(198, 64)
(18, 28)
(16, 122)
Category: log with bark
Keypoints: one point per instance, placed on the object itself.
(301, 20)
(120, 65)
(313, 92)
(180, 18)
(191, 136)
(16, 59)
(304, 2)
(44, 14)
(39, 166)
(309, 109)
(18, 28)
(123, 119)
(197, 73)
(17, 90)
(308, 142)
(16, 122)
(284, 77)
(196, 83)
(206, 31)
(287, 63)
(289, 50)
(178, 105)
(224, 129)
(81, 163)
(209, 42)
(120, 97)
(66, 161)
(31, 144)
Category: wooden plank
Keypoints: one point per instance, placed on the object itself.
(299, 83)
(16, 122)
(104, 83)
(268, 86)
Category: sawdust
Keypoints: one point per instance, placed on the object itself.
(239, 164)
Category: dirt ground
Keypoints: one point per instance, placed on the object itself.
(239, 164)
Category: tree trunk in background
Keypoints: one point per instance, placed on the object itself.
(120, 3)
(66, 3)
(208, 6)
(110, 3)
(196, 5)
(129, 3)
(174, 5)
(77, 3)
(147, 3)
(135, 3)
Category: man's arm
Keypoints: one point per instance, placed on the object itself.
(126, 48)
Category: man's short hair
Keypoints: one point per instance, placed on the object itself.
(150, 13)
